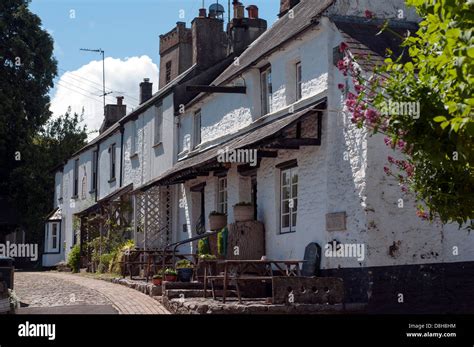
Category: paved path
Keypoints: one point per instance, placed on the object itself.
(52, 289)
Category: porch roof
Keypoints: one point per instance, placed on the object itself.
(54, 215)
(112, 196)
(265, 136)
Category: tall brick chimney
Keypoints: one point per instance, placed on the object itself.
(243, 31)
(176, 53)
(286, 5)
(209, 41)
(146, 90)
(113, 113)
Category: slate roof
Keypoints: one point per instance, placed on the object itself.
(366, 41)
(285, 28)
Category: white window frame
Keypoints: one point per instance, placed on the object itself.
(292, 211)
(52, 234)
(157, 139)
(222, 195)
(299, 81)
(266, 90)
(134, 139)
(196, 138)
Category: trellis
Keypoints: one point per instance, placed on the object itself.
(152, 218)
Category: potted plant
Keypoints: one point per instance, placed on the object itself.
(243, 212)
(157, 279)
(217, 220)
(171, 275)
(185, 270)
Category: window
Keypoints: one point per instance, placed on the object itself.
(158, 124)
(133, 146)
(289, 199)
(267, 90)
(94, 171)
(299, 90)
(54, 237)
(112, 161)
(168, 72)
(197, 129)
(75, 189)
(222, 195)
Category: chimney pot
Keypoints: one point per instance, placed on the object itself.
(202, 12)
(238, 10)
(252, 11)
(119, 100)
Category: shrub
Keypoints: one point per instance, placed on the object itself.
(184, 264)
(74, 258)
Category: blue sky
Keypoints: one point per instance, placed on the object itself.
(123, 28)
(128, 31)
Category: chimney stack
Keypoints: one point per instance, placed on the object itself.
(113, 113)
(209, 41)
(243, 31)
(146, 90)
(202, 12)
(286, 5)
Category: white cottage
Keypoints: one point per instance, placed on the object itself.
(317, 178)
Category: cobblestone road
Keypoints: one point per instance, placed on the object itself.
(50, 289)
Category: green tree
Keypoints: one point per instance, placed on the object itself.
(437, 73)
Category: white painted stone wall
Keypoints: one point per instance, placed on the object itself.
(85, 198)
(107, 186)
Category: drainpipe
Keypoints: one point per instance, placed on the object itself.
(121, 154)
(97, 172)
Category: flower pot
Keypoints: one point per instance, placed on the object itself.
(217, 222)
(243, 213)
(185, 274)
(157, 281)
(170, 278)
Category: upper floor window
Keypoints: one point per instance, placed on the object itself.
(61, 191)
(168, 72)
(75, 190)
(112, 161)
(288, 199)
(222, 195)
(267, 90)
(299, 90)
(94, 171)
(196, 129)
(134, 138)
(158, 124)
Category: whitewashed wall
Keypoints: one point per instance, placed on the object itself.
(381, 9)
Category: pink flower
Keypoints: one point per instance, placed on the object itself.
(401, 144)
(422, 214)
(387, 170)
(340, 86)
(391, 160)
(404, 189)
(372, 116)
(358, 88)
(342, 47)
(369, 14)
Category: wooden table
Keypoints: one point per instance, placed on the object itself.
(251, 270)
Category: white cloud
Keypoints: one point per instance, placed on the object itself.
(82, 88)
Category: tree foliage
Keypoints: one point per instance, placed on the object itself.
(436, 74)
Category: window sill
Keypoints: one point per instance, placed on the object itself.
(92, 191)
(112, 180)
(133, 156)
(287, 232)
(158, 144)
(75, 197)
